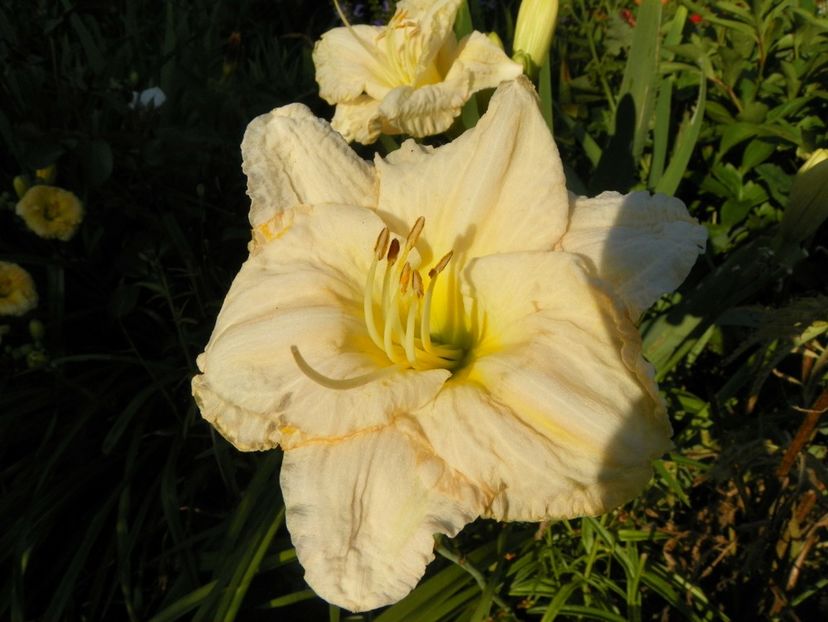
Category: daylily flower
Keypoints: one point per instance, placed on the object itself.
(443, 335)
(17, 290)
(51, 212)
(411, 76)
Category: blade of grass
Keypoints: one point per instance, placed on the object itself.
(245, 572)
(56, 610)
(184, 604)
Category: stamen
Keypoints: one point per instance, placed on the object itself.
(393, 252)
(425, 321)
(333, 383)
(405, 277)
(415, 232)
(441, 265)
(381, 244)
(417, 283)
(409, 333)
(403, 329)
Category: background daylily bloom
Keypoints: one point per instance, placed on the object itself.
(51, 212)
(409, 77)
(443, 335)
(17, 290)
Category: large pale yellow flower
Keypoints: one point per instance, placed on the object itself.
(442, 335)
(411, 76)
(17, 290)
(51, 212)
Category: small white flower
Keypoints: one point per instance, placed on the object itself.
(152, 97)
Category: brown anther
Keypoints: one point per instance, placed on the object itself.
(441, 265)
(415, 232)
(405, 277)
(393, 251)
(381, 245)
(417, 283)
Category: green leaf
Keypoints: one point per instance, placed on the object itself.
(641, 71)
(685, 144)
(661, 131)
(463, 22)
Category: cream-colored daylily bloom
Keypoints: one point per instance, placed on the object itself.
(51, 212)
(17, 290)
(409, 77)
(437, 337)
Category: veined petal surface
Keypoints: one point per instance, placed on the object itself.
(643, 245)
(348, 63)
(305, 289)
(482, 62)
(425, 110)
(362, 514)
(556, 415)
(291, 158)
(359, 119)
(498, 188)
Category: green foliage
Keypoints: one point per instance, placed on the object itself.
(120, 503)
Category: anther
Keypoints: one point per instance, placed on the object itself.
(441, 265)
(381, 245)
(405, 277)
(393, 251)
(415, 232)
(417, 283)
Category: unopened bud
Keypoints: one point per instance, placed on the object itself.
(21, 186)
(37, 330)
(533, 32)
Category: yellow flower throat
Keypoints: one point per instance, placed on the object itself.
(398, 321)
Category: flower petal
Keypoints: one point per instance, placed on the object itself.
(349, 63)
(435, 24)
(498, 188)
(358, 119)
(483, 62)
(303, 288)
(291, 157)
(362, 514)
(557, 414)
(643, 245)
(426, 110)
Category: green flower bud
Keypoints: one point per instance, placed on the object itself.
(21, 185)
(533, 31)
(37, 330)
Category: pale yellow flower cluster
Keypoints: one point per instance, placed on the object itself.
(442, 334)
(410, 77)
(17, 290)
(51, 212)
